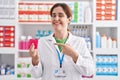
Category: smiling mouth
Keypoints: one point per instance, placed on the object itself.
(56, 23)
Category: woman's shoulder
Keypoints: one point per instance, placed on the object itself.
(78, 38)
(42, 39)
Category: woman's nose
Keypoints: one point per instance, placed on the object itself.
(56, 18)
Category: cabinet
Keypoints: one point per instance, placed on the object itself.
(31, 19)
(106, 67)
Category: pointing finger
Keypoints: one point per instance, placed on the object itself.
(59, 44)
(68, 44)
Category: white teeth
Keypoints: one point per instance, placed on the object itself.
(56, 23)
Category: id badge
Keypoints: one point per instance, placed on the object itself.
(60, 73)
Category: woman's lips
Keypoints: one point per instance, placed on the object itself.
(56, 23)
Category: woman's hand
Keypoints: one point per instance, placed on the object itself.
(68, 50)
(34, 55)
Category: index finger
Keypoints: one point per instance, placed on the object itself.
(32, 46)
(59, 44)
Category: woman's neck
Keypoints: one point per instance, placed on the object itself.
(61, 35)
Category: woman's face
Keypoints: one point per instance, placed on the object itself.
(59, 19)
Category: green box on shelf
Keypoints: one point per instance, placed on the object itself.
(19, 66)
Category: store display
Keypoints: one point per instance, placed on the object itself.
(106, 9)
(76, 12)
(42, 33)
(23, 74)
(83, 31)
(88, 14)
(7, 9)
(25, 41)
(107, 65)
(97, 21)
(103, 41)
(23, 68)
(7, 36)
(34, 12)
(39, 12)
(7, 70)
(84, 12)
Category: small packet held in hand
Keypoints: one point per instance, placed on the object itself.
(34, 41)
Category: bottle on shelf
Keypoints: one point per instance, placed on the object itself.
(88, 15)
(2, 71)
(114, 43)
(109, 42)
(104, 41)
(22, 42)
(98, 40)
(89, 43)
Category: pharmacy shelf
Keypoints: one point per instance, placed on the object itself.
(5, 22)
(105, 77)
(81, 24)
(29, 79)
(13, 77)
(24, 59)
(48, 23)
(8, 50)
(93, 27)
(29, 28)
(107, 51)
(23, 50)
(106, 23)
(34, 23)
(7, 6)
(7, 77)
(51, 1)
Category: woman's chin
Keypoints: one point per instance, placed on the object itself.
(56, 29)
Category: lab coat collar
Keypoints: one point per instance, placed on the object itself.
(52, 40)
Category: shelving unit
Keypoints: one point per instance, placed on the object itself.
(78, 25)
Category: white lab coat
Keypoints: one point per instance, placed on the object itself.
(50, 62)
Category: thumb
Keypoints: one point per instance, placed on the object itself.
(60, 44)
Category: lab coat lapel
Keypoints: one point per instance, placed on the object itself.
(52, 40)
(70, 38)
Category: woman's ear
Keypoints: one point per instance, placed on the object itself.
(70, 18)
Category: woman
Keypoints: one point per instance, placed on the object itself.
(61, 56)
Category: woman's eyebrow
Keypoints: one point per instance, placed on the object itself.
(60, 13)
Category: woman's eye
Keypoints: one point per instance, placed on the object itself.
(61, 15)
(53, 15)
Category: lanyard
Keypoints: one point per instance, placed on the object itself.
(60, 59)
